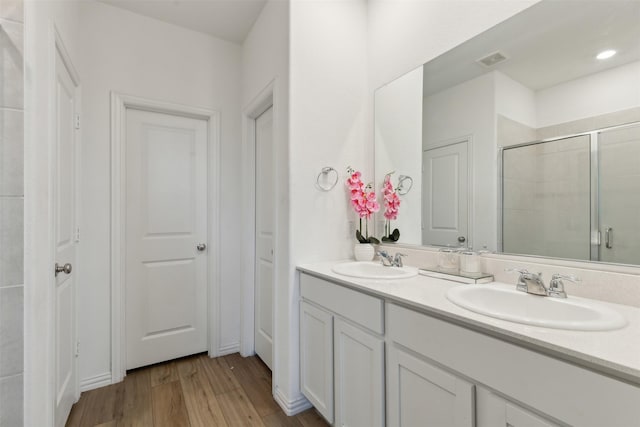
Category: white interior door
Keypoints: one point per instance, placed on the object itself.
(264, 238)
(619, 162)
(166, 230)
(65, 242)
(445, 196)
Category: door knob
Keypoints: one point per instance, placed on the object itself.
(201, 247)
(462, 239)
(63, 268)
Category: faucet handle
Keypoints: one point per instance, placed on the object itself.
(383, 253)
(568, 277)
(397, 259)
(556, 285)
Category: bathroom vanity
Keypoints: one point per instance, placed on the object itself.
(399, 353)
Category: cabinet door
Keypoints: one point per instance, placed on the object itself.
(421, 394)
(316, 358)
(519, 417)
(359, 376)
(494, 411)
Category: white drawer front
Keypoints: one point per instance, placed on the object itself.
(360, 308)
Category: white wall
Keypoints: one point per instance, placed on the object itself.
(576, 99)
(468, 110)
(330, 125)
(265, 60)
(40, 18)
(11, 213)
(514, 100)
(405, 34)
(398, 147)
(135, 55)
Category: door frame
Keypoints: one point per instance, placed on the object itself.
(120, 103)
(260, 104)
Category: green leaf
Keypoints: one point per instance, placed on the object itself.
(395, 235)
(374, 240)
(360, 238)
(386, 239)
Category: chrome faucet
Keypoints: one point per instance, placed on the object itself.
(532, 283)
(390, 261)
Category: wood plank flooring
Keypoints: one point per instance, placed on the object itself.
(194, 391)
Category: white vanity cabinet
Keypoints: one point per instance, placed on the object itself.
(473, 376)
(342, 353)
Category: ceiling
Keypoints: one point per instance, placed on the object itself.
(547, 44)
(226, 19)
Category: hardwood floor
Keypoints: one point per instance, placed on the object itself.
(195, 391)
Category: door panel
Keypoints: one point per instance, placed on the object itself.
(264, 238)
(65, 245)
(619, 161)
(445, 195)
(166, 208)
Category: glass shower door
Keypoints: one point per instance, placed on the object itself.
(546, 198)
(619, 198)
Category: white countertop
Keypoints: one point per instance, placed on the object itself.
(615, 353)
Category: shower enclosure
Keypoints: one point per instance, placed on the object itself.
(575, 197)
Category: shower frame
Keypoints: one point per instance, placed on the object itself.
(595, 234)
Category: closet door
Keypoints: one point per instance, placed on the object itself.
(619, 162)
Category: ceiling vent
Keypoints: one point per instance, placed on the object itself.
(492, 59)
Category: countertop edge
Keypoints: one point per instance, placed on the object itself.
(593, 363)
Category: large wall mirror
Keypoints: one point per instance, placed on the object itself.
(524, 139)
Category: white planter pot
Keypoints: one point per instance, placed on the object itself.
(364, 252)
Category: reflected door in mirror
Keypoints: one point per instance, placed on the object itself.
(445, 198)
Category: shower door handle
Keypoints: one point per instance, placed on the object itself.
(608, 238)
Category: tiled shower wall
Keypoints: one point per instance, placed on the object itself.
(11, 212)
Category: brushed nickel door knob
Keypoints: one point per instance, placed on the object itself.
(66, 269)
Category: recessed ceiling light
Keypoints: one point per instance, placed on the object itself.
(606, 54)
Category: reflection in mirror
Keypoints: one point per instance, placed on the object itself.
(567, 197)
(453, 123)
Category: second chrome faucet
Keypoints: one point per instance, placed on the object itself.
(532, 283)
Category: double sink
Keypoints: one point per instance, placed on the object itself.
(503, 301)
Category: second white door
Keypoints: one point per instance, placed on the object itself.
(445, 196)
(166, 236)
(264, 238)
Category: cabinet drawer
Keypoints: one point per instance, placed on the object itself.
(360, 308)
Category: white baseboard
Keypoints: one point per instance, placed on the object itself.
(291, 407)
(96, 381)
(229, 349)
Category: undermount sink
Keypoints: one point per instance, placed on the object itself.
(505, 302)
(373, 270)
